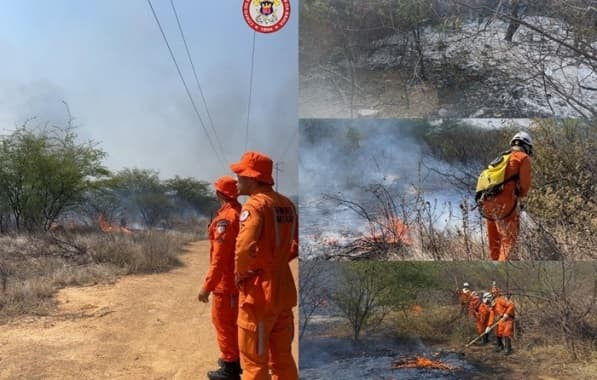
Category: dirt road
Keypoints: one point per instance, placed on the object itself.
(141, 327)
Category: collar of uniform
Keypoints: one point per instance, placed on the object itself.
(263, 188)
(225, 206)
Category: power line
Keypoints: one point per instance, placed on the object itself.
(184, 40)
(250, 92)
(184, 83)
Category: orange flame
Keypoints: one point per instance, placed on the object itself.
(105, 226)
(394, 232)
(421, 362)
(417, 309)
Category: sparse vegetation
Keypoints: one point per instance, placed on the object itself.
(456, 58)
(34, 267)
(556, 328)
(558, 217)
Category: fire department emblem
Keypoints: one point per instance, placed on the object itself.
(266, 16)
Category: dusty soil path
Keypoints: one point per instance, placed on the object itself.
(141, 327)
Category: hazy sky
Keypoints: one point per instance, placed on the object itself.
(108, 61)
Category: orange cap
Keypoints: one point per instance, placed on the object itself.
(255, 165)
(227, 186)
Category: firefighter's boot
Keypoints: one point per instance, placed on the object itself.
(227, 371)
(508, 344)
(485, 339)
(500, 345)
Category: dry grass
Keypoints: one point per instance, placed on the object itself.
(441, 324)
(32, 268)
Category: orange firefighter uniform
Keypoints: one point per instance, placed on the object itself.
(220, 277)
(267, 241)
(484, 316)
(464, 297)
(503, 309)
(473, 305)
(501, 210)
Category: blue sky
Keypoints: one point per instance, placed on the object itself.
(108, 61)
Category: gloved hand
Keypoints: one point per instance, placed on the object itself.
(487, 330)
(203, 296)
(505, 317)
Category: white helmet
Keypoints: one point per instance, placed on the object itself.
(466, 285)
(487, 298)
(522, 137)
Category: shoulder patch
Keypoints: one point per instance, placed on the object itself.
(244, 215)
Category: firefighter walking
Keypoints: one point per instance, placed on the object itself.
(219, 280)
(267, 241)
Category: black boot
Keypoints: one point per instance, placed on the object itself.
(485, 339)
(227, 371)
(508, 344)
(500, 345)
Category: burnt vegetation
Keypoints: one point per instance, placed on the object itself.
(412, 308)
(400, 219)
(452, 58)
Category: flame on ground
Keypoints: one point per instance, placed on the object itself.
(105, 226)
(421, 362)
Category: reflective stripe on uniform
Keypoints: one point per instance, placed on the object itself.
(260, 342)
(276, 228)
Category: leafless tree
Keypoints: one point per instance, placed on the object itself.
(312, 293)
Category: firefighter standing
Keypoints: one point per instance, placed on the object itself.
(267, 241)
(501, 210)
(464, 296)
(219, 280)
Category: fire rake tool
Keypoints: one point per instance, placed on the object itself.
(480, 336)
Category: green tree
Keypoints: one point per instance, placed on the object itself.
(143, 189)
(192, 193)
(361, 293)
(45, 172)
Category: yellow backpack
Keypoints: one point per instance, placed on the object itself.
(491, 180)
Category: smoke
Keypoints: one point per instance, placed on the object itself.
(108, 61)
(342, 158)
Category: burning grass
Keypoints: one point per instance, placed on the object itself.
(33, 268)
(421, 362)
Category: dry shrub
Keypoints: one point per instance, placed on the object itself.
(32, 268)
(437, 324)
(29, 296)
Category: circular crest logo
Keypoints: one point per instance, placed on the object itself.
(266, 16)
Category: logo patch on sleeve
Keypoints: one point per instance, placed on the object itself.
(221, 226)
(244, 215)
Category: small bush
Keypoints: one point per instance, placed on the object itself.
(33, 268)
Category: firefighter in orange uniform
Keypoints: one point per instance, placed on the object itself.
(219, 280)
(473, 304)
(501, 210)
(464, 297)
(484, 315)
(267, 241)
(503, 308)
